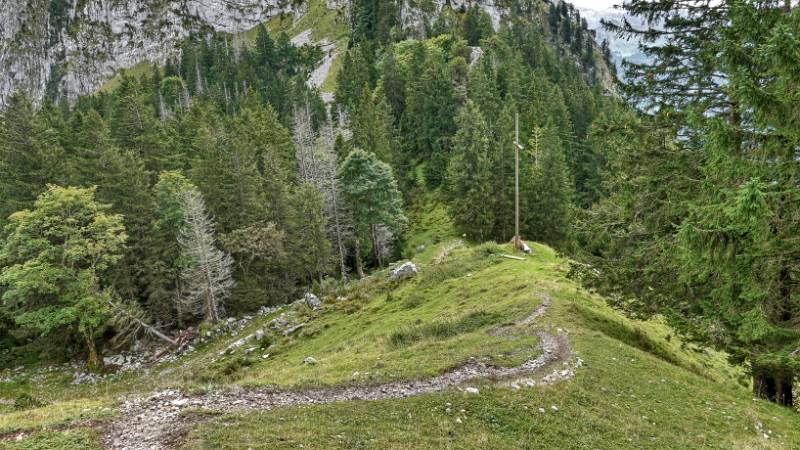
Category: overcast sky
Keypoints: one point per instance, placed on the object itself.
(595, 4)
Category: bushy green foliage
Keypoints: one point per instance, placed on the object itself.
(54, 258)
(369, 187)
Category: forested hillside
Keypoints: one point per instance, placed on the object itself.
(360, 156)
(228, 151)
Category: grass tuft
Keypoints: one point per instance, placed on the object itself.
(407, 336)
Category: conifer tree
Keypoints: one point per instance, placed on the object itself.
(207, 277)
(730, 222)
(469, 176)
(372, 124)
(313, 249)
(547, 189)
(30, 156)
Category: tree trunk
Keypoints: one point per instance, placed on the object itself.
(211, 308)
(773, 386)
(359, 265)
(339, 242)
(93, 362)
(376, 251)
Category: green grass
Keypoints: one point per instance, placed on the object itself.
(640, 387)
(136, 71)
(56, 414)
(443, 329)
(80, 438)
(430, 225)
(623, 398)
(323, 23)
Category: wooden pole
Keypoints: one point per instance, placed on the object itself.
(517, 240)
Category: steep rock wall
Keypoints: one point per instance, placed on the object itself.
(74, 46)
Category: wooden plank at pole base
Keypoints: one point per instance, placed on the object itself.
(515, 258)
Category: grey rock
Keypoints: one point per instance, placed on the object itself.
(312, 301)
(291, 330)
(259, 334)
(84, 377)
(310, 360)
(117, 360)
(406, 270)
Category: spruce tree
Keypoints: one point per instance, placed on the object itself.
(30, 156)
(470, 176)
(207, 275)
(547, 188)
(720, 76)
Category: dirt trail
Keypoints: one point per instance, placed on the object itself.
(159, 421)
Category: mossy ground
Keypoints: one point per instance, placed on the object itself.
(640, 386)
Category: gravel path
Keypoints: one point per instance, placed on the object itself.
(160, 420)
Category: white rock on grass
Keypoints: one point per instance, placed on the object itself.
(312, 301)
(310, 360)
(472, 390)
(407, 270)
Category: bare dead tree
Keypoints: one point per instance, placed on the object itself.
(308, 165)
(207, 279)
(338, 226)
(130, 321)
(317, 165)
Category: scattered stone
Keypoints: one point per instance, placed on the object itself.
(525, 248)
(541, 410)
(554, 408)
(117, 360)
(266, 310)
(259, 334)
(291, 330)
(84, 377)
(312, 301)
(407, 270)
(472, 390)
(310, 360)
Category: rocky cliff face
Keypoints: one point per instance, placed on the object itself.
(73, 46)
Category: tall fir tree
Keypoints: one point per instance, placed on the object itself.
(470, 176)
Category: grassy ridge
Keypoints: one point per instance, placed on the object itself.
(640, 386)
(637, 389)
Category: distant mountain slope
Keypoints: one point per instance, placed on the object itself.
(73, 47)
(621, 49)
